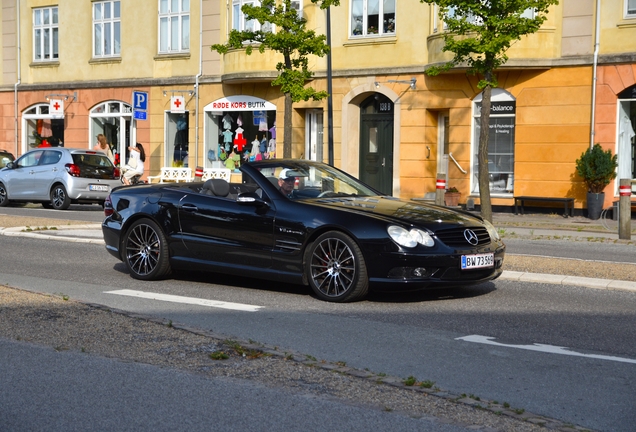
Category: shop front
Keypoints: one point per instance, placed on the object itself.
(238, 129)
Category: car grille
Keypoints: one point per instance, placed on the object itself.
(455, 237)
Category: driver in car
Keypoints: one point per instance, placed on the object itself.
(286, 183)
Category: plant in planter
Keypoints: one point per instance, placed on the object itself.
(451, 197)
(597, 168)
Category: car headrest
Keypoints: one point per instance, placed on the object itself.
(217, 187)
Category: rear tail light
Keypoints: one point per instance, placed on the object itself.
(116, 173)
(108, 206)
(73, 170)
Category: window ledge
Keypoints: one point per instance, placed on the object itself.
(173, 56)
(627, 23)
(42, 64)
(103, 60)
(371, 40)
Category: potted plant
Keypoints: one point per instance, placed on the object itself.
(451, 197)
(597, 168)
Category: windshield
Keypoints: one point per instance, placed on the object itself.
(299, 180)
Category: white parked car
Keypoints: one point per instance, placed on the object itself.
(57, 177)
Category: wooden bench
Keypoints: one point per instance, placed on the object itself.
(567, 202)
(172, 175)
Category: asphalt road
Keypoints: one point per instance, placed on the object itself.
(427, 335)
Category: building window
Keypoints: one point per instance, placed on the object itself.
(45, 34)
(239, 22)
(372, 17)
(106, 29)
(501, 143)
(174, 26)
(630, 8)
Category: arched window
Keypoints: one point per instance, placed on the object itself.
(41, 128)
(501, 142)
(112, 119)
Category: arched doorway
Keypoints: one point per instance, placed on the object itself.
(41, 128)
(376, 142)
(626, 137)
(112, 119)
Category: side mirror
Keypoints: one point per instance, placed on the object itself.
(10, 165)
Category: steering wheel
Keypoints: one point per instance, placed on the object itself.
(325, 193)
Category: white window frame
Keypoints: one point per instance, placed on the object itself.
(630, 9)
(359, 25)
(239, 22)
(174, 26)
(498, 95)
(107, 29)
(45, 34)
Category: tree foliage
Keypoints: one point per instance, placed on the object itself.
(284, 31)
(478, 33)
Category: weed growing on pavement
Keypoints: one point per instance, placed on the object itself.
(341, 363)
(409, 381)
(219, 355)
(310, 357)
(427, 384)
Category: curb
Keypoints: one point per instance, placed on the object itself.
(87, 233)
(607, 284)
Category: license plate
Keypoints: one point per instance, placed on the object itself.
(101, 188)
(478, 261)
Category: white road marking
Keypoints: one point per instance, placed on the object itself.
(186, 300)
(488, 340)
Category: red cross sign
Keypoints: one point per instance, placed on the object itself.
(56, 107)
(177, 104)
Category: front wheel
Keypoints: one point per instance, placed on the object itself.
(4, 198)
(59, 198)
(146, 251)
(335, 268)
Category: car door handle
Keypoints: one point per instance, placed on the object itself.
(189, 207)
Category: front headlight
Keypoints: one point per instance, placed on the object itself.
(410, 238)
(492, 230)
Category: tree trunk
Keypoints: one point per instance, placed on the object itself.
(482, 157)
(287, 120)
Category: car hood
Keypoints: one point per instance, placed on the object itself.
(405, 211)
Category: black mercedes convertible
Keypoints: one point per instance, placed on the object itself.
(301, 222)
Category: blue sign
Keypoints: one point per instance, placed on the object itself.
(140, 115)
(140, 101)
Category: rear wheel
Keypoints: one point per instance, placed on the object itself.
(146, 251)
(335, 268)
(59, 198)
(4, 200)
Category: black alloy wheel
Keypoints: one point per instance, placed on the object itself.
(59, 198)
(335, 268)
(4, 201)
(145, 251)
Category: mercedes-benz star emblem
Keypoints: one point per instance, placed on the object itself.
(471, 237)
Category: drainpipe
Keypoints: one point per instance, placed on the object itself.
(597, 44)
(196, 86)
(15, 87)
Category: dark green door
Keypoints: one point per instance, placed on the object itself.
(376, 143)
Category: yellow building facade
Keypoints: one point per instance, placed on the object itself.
(144, 72)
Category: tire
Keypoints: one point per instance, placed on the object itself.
(4, 200)
(335, 268)
(59, 198)
(145, 251)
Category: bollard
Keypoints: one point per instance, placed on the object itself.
(625, 210)
(440, 189)
(198, 173)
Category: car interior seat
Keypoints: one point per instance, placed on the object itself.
(216, 187)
